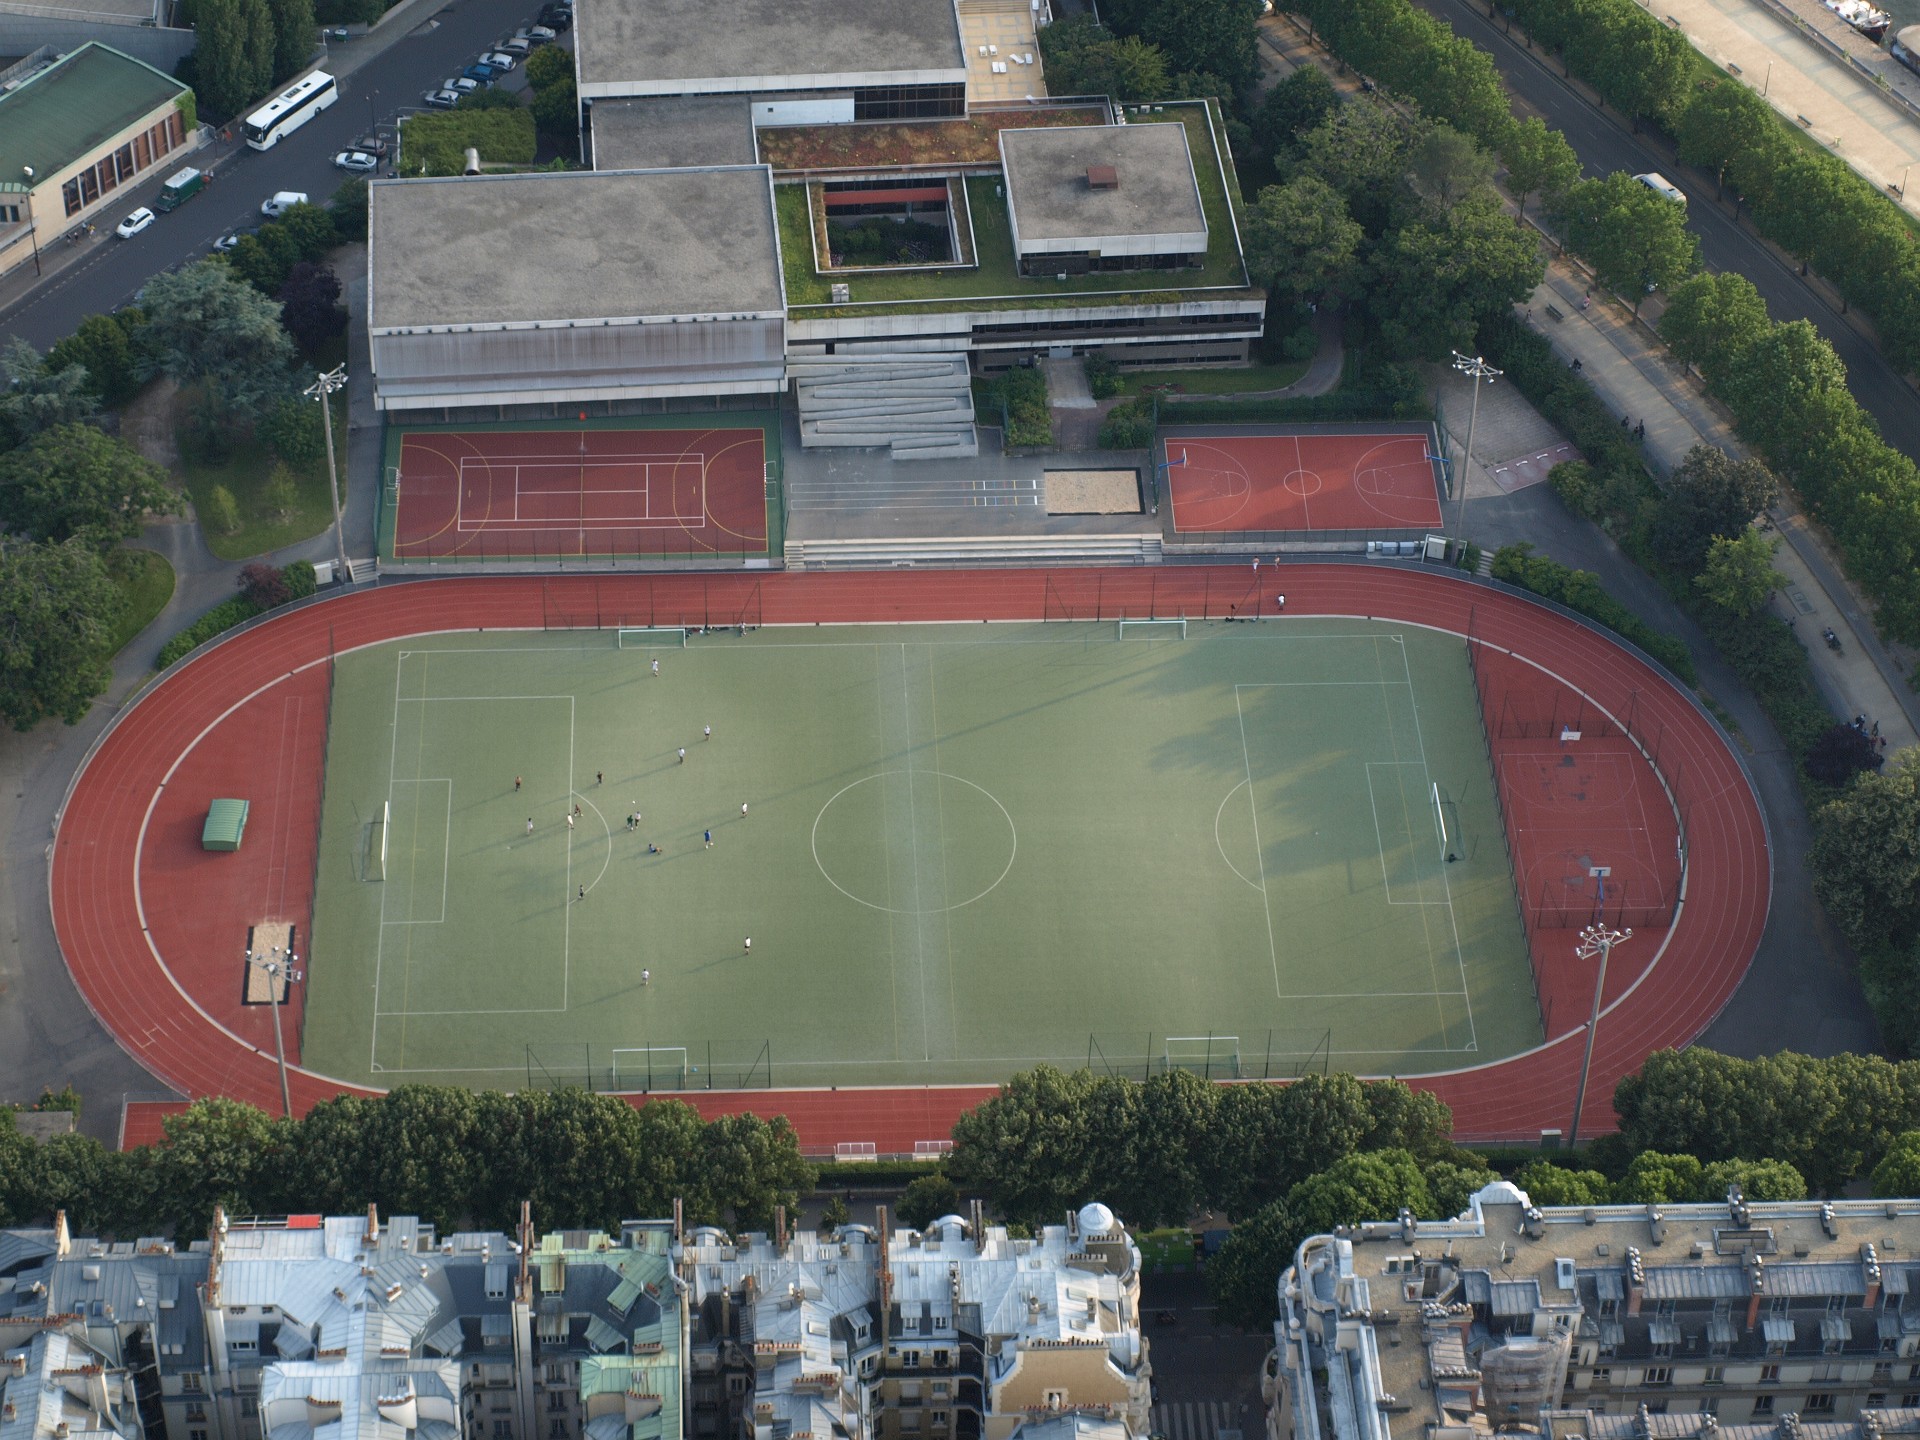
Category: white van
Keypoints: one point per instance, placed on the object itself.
(1660, 185)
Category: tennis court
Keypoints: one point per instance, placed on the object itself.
(608, 489)
(966, 849)
(1305, 480)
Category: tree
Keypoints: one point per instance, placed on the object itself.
(292, 429)
(756, 1165)
(310, 305)
(1299, 238)
(1636, 240)
(1539, 161)
(1453, 1186)
(1212, 37)
(73, 482)
(1808, 191)
(1779, 389)
(1757, 1179)
(1160, 1175)
(348, 210)
(1897, 1176)
(223, 512)
(1027, 1145)
(293, 36)
(1738, 575)
(1361, 149)
(1266, 1139)
(1548, 1184)
(548, 64)
(1724, 123)
(1656, 1179)
(263, 584)
(1291, 108)
(204, 324)
(1711, 319)
(101, 348)
(309, 229)
(1842, 752)
(35, 396)
(1647, 68)
(1866, 857)
(216, 1152)
(556, 108)
(1402, 1118)
(835, 1214)
(1435, 281)
(1447, 166)
(58, 607)
(926, 1199)
(1709, 495)
(232, 55)
(264, 258)
(1244, 1277)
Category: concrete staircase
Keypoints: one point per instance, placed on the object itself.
(904, 552)
(918, 404)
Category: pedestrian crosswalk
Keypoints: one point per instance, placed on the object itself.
(1195, 1420)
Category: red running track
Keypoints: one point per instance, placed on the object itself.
(127, 954)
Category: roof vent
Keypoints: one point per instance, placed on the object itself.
(1102, 177)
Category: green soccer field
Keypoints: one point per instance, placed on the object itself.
(968, 849)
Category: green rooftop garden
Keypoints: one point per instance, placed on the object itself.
(995, 283)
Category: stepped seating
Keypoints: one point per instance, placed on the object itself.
(919, 404)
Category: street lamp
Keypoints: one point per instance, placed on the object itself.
(1596, 939)
(321, 388)
(1476, 369)
(274, 967)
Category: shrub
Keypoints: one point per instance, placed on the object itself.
(263, 585)
(1022, 392)
(223, 511)
(437, 144)
(221, 618)
(293, 431)
(1128, 426)
(262, 588)
(1103, 377)
(279, 497)
(300, 579)
(1580, 590)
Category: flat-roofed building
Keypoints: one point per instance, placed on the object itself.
(673, 132)
(75, 134)
(555, 289)
(1730, 1321)
(804, 61)
(1088, 198)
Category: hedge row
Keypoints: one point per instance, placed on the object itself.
(1581, 590)
(299, 578)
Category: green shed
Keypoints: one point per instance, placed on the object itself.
(226, 824)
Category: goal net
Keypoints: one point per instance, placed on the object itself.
(650, 1067)
(1212, 1057)
(652, 637)
(1154, 629)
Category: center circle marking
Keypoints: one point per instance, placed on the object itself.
(975, 797)
(1303, 482)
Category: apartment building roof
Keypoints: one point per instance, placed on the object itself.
(56, 1387)
(70, 109)
(1091, 186)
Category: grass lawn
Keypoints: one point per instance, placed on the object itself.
(1212, 380)
(245, 472)
(146, 582)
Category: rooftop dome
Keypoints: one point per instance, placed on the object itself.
(1096, 1219)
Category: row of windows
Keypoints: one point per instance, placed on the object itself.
(1769, 1374)
(118, 166)
(910, 102)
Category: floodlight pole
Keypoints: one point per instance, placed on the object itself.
(1596, 939)
(275, 968)
(330, 381)
(1475, 368)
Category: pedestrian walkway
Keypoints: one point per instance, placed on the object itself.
(1644, 385)
(1827, 85)
(1195, 1419)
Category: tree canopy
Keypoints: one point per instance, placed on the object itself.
(36, 396)
(1636, 240)
(1709, 496)
(1299, 238)
(1539, 161)
(58, 607)
(203, 323)
(73, 482)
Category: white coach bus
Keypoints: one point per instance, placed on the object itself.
(290, 109)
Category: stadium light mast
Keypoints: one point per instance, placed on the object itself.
(330, 381)
(1596, 939)
(1476, 369)
(274, 968)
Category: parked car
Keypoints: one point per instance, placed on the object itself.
(442, 99)
(356, 162)
(372, 145)
(465, 85)
(481, 71)
(335, 32)
(229, 240)
(516, 47)
(134, 223)
(558, 18)
(534, 34)
(281, 202)
(499, 60)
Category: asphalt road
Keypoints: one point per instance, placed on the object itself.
(1604, 143)
(371, 94)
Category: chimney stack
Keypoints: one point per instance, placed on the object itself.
(1102, 177)
(373, 1223)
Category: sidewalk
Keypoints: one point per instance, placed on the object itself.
(1645, 386)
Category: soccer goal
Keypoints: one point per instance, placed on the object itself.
(652, 637)
(650, 1067)
(1212, 1057)
(1154, 629)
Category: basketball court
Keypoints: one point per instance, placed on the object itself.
(1302, 481)
(609, 490)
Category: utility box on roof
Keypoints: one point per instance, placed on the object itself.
(226, 824)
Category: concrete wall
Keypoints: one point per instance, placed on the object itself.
(162, 49)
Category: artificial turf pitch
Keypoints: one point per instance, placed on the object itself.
(969, 849)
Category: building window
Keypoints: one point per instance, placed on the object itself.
(89, 186)
(123, 162)
(190, 1382)
(1910, 1401)
(108, 179)
(1716, 1375)
(1056, 1399)
(1876, 1399)
(1769, 1374)
(1603, 1376)
(503, 1430)
(1763, 1404)
(1883, 1370)
(556, 1400)
(940, 1417)
(910, 1359)
(196, 1435)
(1657, 1375)
(558, 1430)
(249, 1407)
(142, 151)
(1710, 1405)
(942, 1359)
(1820, 1403)
(909, 1419)
(1656, 1407)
